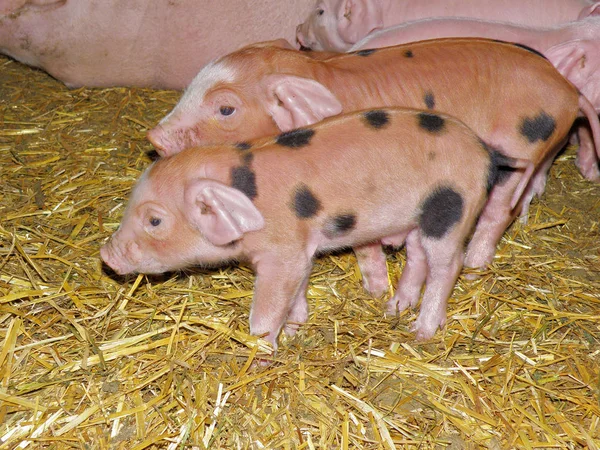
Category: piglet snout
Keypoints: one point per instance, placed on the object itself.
(169, 139)
(303, 39)
(157, 137)
(121, 260)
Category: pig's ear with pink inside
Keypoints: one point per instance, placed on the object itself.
(296, 102)
(357, 18)
(569, 58)
(590, 10)
(222, 213)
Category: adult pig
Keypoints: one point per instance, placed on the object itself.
(339, 24)
(147, 43)
(573, 48)
(510, 96)
(400, 174)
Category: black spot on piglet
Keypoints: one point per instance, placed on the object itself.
(440, 211)
(377, 118)
(243, 146)
(539, 128)
(304, 202)
(296, 138)
(247, 158)
(339, 225)
(431, 122)
(409, 53)
(429, 100)
(244, 179)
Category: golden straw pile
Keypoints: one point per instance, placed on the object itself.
(89, 360)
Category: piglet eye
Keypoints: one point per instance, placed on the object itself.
(155, 221)
(320, 12)
(226, 110)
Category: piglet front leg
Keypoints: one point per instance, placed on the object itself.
(280, 291)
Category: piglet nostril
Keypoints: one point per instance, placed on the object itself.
(109, 258)
(156, 138)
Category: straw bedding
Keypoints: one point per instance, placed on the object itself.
(92, 360)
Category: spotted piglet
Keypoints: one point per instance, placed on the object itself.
(401, 175)
(511, 96)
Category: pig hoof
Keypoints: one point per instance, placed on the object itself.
(424, 335)
(261, 362)
(375, 286)
(397, 305)
(291, 328)
(589, 171)
(478, 261)
(376, 291)
(425, 328)
(473, 274)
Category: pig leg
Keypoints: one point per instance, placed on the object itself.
(299, 311)
(371, 261)
(535, 188)
(413, 276)
(444, 262)
(495, 218)
(587, 161)
(278, 288)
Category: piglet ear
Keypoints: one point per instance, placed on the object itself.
(296, 102)
(357, 18)
(222, 213)
(569, 58)
(591, 10)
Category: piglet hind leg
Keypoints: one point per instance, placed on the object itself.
(497, 215)
(413, 276)
(444, 259)
(587, 161)
(279, 290)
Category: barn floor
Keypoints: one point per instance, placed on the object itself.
(92, 360)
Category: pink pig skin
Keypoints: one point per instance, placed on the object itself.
(497, 89)
(276, 202)
(147, 43)
(573, 48)
(336, 25)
